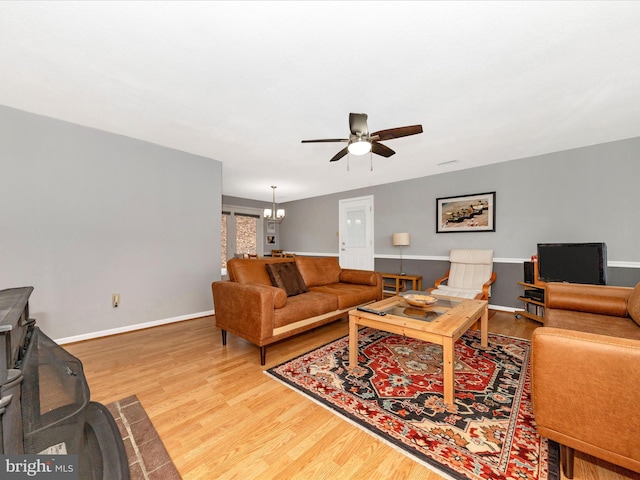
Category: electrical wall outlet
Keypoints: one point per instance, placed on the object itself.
(115, 300)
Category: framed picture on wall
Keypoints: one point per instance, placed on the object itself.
(271, 240)
(271, 227)
(466, 213)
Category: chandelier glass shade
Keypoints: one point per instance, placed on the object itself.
(274, 214)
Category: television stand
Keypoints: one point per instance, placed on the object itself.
(533, 297)
(534, 302)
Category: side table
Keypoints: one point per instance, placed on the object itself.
(394, 283)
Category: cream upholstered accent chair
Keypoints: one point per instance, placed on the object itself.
(469, 276)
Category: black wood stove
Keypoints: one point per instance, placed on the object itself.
(45, 407)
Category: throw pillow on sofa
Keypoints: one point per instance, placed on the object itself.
(285, 275)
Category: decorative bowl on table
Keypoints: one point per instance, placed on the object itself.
(418, 300)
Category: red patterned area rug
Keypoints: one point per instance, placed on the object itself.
(396, 394)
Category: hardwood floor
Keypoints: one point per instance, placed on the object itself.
(221, 417)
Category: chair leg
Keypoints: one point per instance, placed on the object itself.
(263, 355)
(566, 460)
(224, 337)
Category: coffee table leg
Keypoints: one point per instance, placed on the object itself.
(448, 362)
(353, 341)
(484, 327)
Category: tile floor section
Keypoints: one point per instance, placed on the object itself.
(148, 458)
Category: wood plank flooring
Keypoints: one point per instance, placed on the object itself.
(221, 417)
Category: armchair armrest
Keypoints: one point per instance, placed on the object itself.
(246, 309)
(440, 280)
(585, 393)
(487, 284)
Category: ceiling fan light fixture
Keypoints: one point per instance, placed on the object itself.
(361, 142)
(359, 147)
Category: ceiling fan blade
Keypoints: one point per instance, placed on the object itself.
(380, 149)
(397, 132)
(358, 124)
(326, 140)
(339, 155)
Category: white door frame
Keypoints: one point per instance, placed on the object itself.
(365, 255)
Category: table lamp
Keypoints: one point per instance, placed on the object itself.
(401, 240)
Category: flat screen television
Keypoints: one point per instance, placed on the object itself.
(573, 262)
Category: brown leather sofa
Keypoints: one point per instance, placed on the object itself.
(250, 306)
(586, 373)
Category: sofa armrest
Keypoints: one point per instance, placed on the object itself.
(246, 309)
(585, 393)
(363, 277)
(600, 299)
(360, 277)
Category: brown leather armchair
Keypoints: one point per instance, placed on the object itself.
(586, 373)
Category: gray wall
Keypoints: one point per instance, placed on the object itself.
(86, 213)
(582, 195)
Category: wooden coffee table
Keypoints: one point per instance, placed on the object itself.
(441, 323)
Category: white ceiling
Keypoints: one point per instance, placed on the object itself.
(245, 82)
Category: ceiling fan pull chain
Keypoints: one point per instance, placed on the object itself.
(371, 157)
(348, 157)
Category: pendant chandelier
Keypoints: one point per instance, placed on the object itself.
(274, 214)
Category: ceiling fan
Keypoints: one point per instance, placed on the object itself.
(361, 141)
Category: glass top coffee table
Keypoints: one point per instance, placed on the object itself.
(441, 323)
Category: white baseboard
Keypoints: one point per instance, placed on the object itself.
(503, 309)
(157, 323)
(131, 328)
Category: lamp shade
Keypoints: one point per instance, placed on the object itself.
(401, 239)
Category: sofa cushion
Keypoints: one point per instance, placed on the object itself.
(286, 276)
(348, 294)
(633, 304)
(303, 306)
(249, 270)
(319, 270)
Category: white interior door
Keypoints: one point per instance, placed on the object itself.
(356, 233)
